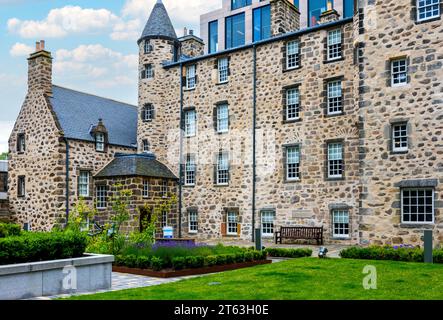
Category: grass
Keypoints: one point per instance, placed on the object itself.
(299, 279)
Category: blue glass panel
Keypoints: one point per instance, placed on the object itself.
(315, 9)
(348, 8)
(213, 36)
(235, 31)
(235, 4)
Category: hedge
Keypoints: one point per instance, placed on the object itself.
(190, 262)
(389, 253)
(9, 230)
(288, 253)
(39, 246)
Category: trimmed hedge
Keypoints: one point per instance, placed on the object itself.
(190, 262)
(389, 253)
(39, 246)
(288, 253)
(9, 230)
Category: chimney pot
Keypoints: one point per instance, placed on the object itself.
(191, 32)
(37, 46)
(42, 44)
(329, 6)
(185, 31)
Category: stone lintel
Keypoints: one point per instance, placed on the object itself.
(417, 183)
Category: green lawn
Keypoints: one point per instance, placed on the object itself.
(305, 278)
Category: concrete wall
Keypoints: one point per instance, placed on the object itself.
(48, 278)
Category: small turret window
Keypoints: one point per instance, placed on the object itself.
(146, 146)
(148, 47)
(147, 72)
(100, 141)
(148, 112)
(21, 143)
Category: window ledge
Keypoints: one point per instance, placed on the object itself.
(292, 120)
(428, 20)
(189, 185)
(193, 232)
(221, 185)
(88, 198)
(147, 120)
(417, 225)
(334, 60)
(222, 83)
(188, 89)
(336, 179)
(292, 180)
(332, 115)
(291, 69)
(340, 238)
(399, 152)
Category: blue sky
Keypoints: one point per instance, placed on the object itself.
(93, 43)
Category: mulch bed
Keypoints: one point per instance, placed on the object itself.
(170, 273)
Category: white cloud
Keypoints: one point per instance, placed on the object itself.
(5, 132)
(63, 21)
(20, 49)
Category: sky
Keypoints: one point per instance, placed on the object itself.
(93, 43)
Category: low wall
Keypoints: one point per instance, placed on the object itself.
(27, 280)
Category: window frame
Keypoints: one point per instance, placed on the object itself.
(164, 220)
(426, 6)
(190, 123)
(101, 197)
(229, 26)
(145, 189)
(398, 74)
(341, 176)
(247, 3)
(223, 70)
(21, 186)
(100, 144)
(297, 164)
(342, 228)
(337, 103)
(148, 109)
(190, 164)
(146, 146)
(164, 188)
(417, 189)
(294, 56)
(295, 105)
(210, 40)
(259, 11)
(230, 222)
(191, 77)
(393, 137)
(148, 47)
(219, 107)
(267, 234)
(83, 184)
(335, 48)
(193, 221)
(225, 171)
(21, 143)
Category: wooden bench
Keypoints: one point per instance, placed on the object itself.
(300, 233)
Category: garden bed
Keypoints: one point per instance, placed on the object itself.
(171, 273)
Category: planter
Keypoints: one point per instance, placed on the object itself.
(188, 272)
(46, 278)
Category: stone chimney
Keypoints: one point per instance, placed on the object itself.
(40, 69)
(329, 15)
(191, 45)
(285, 17)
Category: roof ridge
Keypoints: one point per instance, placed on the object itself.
(97, 96)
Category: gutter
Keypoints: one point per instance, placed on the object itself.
(67, 179)
(180, 183)
(254, 138)
(284, 36)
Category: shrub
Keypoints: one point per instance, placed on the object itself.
(157, 263)
(9, 230)
(406, 254)
(33, 247)
(143, 262)
(221, 259)
(257, 255)
(131, 261)
(119, 260)
(178, 263)
(211, 261)
(249, 256)
(194, 262)
(288, 253)
(240, 257)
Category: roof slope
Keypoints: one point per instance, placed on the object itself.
(78, 112)
(159, 24)
(141, 165)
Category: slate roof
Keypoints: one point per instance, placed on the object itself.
(78, 112)
(159, 24)
(140, 165)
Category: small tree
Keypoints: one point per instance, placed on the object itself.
(120, 206)
(80, 216)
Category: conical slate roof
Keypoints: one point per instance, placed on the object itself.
(159, 24)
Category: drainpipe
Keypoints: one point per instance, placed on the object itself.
(180, 191)
(67, 179)
(254, 124)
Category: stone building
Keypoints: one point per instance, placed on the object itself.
(335, 125)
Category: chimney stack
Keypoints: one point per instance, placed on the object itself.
(329, 15)
(185, 32)
(191, 32)
(40, 69)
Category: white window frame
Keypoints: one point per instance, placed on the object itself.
(146, 147)
(223, 169)
(101, 193)
(334, 176)
(148, 48)
(100, 141)
(268, 224)
(403, 135)
(148, 112)
(293, 102)
(222, 118)
(397, 71)
(190, 170)
(83, 183)
(164, 221)
(428, 8)
(145, 190)
(341, 214)
(190, 77)
(335, 97)
(295, 160)
(231, 220)
(164, 188)
(21, 186)
(190, 123)
(21, 143)
(334, 45)
(193, 221)
(403, 207)
(223, 70)
(292, 55)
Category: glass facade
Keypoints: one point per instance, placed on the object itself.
(213, 36)
(315, 9)
(235, 31)
(348, 8)
(262, 23)
(235, 4)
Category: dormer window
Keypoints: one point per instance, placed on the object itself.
(100, 141)
(148, 47)
(21, 143)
